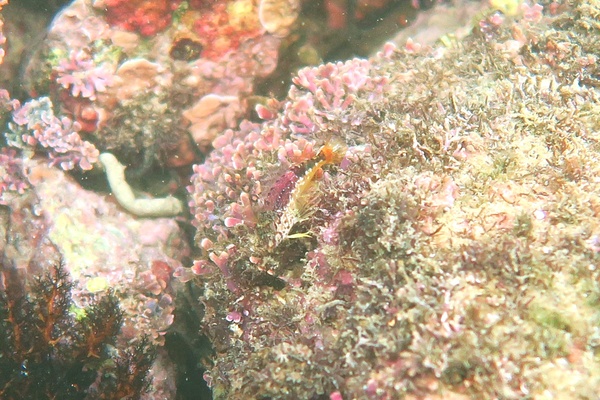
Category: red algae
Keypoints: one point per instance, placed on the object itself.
(147, 17)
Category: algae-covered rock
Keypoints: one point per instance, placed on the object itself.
(452, 253)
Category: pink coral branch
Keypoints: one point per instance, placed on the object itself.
(35, 125)
(82, 76)
(326, 93)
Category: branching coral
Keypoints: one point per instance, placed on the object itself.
(35, 127)
(325, 94)
(82, 76)
(321, 95)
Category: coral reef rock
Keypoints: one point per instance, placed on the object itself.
(424, 224)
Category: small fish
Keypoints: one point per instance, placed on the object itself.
(301, 197)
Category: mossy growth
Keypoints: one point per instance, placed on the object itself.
(456, 258)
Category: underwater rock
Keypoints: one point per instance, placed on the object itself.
(451, 253)
(49, 217)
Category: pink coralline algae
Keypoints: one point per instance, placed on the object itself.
(256, 199)
(324, 94)
(256, 167)
(147, 17)
(532, 13)
(34, 125)
(12, 176)
(230, 170)
(247, 186)
(82, 77)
